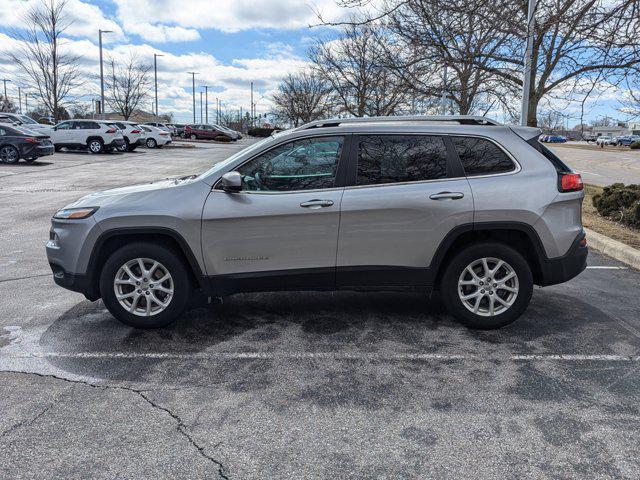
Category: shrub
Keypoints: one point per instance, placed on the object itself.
(261, 132)
(635, 145)
(620, 202)
(222, 138)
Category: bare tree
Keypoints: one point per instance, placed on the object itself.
(126, 84)
(40, 55)
(301, 98)
(352, 66)
(573, 40)
(448, 53)
(6, 105)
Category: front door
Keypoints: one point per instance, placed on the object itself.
(281, 230)
(62, 134)
(405, 200)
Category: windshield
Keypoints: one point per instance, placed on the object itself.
(221, 165)
(25, 119)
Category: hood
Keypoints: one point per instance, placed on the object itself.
(110, 196)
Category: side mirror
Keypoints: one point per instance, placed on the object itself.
(231, 182)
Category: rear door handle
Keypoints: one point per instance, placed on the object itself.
(315, 204)
(447, 195)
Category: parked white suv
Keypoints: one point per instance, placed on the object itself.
(604, 140)
(132, 133)
(96, 135)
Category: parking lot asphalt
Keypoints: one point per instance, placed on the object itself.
(600, 166)
(301, 385)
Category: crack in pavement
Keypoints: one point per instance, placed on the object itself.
(33, 419)
(180, 425)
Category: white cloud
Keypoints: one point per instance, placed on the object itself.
(85, 19)
(228, 15)
(164, 33)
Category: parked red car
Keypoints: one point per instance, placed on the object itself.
(202, 131)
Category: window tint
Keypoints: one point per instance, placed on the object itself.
(558, 164)
(87, 125)
(481, 157)
(64, 126)
(299, 165)
(407, 158)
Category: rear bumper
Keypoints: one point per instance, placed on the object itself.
(564, 268)
(116, 142)
(37, 151)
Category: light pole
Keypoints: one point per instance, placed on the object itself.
(155, 77)
(20, 99)
(201, 107)
(206, 104)
(443, 100)
(251, 115)
(5, 80)
(526, 81)
(193, 92)
(102, 109)
(217, 111)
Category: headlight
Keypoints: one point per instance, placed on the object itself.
(75, 213)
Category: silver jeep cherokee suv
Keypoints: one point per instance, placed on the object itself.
(463, 205)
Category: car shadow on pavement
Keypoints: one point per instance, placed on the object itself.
(87, 340)
(36, 163)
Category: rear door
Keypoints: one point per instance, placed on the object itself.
(407, 194)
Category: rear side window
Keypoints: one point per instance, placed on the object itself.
(481, 157)
(400, 158)
(88, 125)
(558, 164)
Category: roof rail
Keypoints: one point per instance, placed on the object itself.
(461, 119)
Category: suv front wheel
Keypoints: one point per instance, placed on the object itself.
(487, 285)
(145, 285)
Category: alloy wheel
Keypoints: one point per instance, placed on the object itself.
(9, 154)
(95, 146)
(488, 286)
(143, 287)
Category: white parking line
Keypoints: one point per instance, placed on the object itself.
(322, 356)
(606, 267)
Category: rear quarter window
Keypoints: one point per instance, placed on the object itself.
(480, 156)
(558, 164)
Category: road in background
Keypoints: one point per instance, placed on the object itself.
(600, 166)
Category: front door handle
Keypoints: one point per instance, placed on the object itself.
(447, 195)
(315, 204)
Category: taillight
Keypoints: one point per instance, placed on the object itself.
(164, 133)
(31, 140)
(135, 131)
(571, 182)
(111, 130)
(583, 241)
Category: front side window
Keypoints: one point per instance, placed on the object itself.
(480, 156)
(400, 158)
(63, 126)
(306, 164)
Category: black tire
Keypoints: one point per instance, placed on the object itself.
(30, 160)
(193, 136)
(9, 154)
(123, 147)
(132, 147)
(464, 258)
(95, 145)
(151, 143)
(57, 148)
(173, 264)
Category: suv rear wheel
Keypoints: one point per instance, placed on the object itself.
(487, 285)
(95, 145)
(145, 285)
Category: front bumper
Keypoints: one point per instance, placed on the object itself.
(564, 268)
(74, 282)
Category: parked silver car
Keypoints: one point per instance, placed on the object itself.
(463, 205)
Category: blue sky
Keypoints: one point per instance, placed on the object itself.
(231, 43)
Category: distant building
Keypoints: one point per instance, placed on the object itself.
(634, 128)
(611, 131)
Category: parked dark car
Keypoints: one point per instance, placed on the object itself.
(203, 132)
(17, 143)
(556, 139)
(179, 129)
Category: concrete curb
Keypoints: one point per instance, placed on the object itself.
(621, 252)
